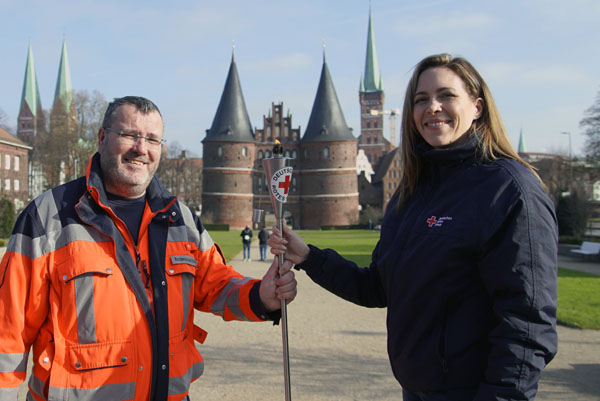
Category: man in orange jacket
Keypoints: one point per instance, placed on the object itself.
(102, 274)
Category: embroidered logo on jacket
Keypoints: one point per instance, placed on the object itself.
(433, 221)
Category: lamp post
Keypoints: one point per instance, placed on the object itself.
(570, 159)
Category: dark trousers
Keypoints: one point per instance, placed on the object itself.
(449, 395)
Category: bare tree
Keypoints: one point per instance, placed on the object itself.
(4, 121)
(591, 126)
(63, 154)
(90, 109)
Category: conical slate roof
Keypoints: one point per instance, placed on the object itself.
(31, 93)
(231, 122)
(327, 122)
(64, 89)
(371, 81)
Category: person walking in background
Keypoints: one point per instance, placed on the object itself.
(246, 238)
(263, 237)
(466, 263)
(101, 277)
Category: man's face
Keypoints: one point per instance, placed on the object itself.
(129, 165)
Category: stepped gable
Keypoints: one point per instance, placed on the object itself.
(231, 122)
(327, 122)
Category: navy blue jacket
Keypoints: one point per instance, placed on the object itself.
(468, 271)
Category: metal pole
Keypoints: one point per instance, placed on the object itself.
(284, 331)
(279, 176)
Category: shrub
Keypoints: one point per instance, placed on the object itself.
(7, 217)
(216, 227)
(572, 213)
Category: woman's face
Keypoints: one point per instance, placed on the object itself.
(442, 109)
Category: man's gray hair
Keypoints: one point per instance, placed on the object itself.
(142, 104)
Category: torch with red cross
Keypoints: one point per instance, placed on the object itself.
(278, 172)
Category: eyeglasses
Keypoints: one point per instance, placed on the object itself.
(131, 138)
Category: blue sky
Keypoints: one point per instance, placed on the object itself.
(541, 58)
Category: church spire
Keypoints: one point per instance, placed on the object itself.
(30, 96)
(64, 89)
(231, 122)
(371, 81)
(522, 143)
(31, 120)
(326, 122)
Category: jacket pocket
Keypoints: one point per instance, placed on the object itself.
(180, 273)
(78, 283)
(97, 372)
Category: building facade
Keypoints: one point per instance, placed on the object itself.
(323, 189)
(14, 177)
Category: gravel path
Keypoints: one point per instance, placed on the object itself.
(338, 352)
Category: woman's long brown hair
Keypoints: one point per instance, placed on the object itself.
(494, 142)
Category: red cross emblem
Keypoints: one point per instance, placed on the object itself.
(280, 183)
(285, 185)
(431, 221)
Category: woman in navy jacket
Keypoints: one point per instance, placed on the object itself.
(466, 262)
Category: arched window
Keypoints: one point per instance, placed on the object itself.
(244, 151)
(220, 151)
(294, 154)
(326, 152)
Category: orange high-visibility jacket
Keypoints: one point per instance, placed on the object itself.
(70, 289)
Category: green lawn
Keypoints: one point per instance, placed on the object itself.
(578, 299)
(229, 241)
(578, 293)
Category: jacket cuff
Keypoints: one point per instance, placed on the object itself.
(259, 308)
(315, 255)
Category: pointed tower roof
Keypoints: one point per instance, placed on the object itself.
(31, 94)
(231, 122)
(371, 81)
(326, 122)
(522, 143)
(64, 89)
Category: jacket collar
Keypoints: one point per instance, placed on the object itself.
(455, 154)
(157, 196)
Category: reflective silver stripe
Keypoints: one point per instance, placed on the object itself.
(84, 302)
(177, 234)
(186, 286)
(37, 386)
(11, 363)
(205, 241)
(188, 218)
(180, 385)
(48, 212)
(36, 247)
(56, 236)
(9, 393)
(230, 296)
(119, 391)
